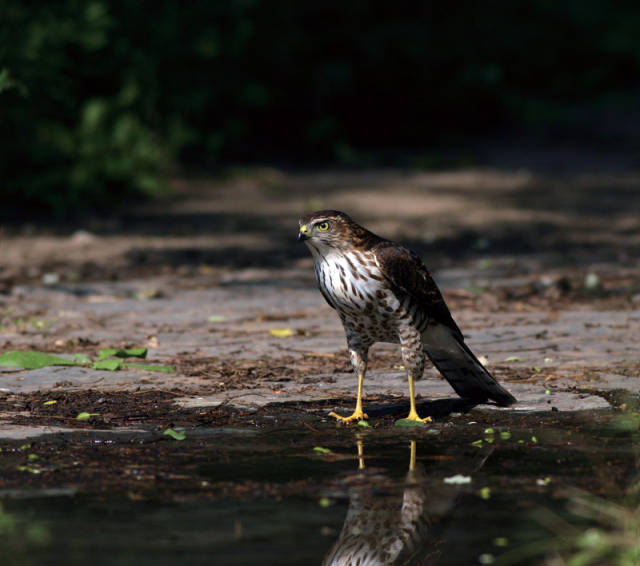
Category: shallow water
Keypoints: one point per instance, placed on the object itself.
(269, 496)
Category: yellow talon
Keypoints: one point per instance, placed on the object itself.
(413, 416)
(357, 415)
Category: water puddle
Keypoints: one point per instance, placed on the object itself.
(458, 492)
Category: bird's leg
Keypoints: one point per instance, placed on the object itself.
(413, 358)
(413, 414)
(359, 361)
(358, 414)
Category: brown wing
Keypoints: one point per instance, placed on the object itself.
(405, 271)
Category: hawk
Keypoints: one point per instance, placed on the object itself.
(383, 293)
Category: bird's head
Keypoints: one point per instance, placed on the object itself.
(328, 229)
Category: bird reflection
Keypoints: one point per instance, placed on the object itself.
(390, 529)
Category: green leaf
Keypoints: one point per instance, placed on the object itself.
(505, 435)
(408, 423)
(485, 492)
(122, 353)
(33, 457)
(52, 402)
(477, 443)
(364, 424)
(29, 469)
(181, 435)
(33, 360)
(512, 359)
(84, 416)
(489, 431)
(321, 450)
(82, 358)
(149, 367)
(109, 365)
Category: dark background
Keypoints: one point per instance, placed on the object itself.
(104, 101)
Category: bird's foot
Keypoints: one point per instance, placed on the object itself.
(357, 415)
(413, 416)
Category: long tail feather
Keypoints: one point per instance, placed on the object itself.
(459, 366)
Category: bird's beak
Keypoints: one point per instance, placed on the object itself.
(304, 233)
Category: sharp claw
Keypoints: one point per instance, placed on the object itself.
(415, 417)
(356, 416)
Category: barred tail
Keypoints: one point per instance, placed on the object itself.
(459, 366)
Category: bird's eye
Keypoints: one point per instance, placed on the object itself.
(323, 226)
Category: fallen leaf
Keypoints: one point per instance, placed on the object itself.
(176, 435)
(512, 359)
(216, 318)
(321, 450)
(281, 332)
(109, 365)
(485, 492)
(122, 353)
(33, 360)
(29, 469)
(81, 358)
(84, 416)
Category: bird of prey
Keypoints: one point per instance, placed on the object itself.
(383, 293)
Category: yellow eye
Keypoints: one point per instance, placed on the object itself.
(323, 226)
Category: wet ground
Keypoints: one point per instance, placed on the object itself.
(539, 269)
(291, 494)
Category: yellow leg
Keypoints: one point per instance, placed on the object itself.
(358, 414)
(413, 414)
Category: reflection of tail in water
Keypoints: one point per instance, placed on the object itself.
(384, 529)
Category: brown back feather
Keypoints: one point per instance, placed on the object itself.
(405, 271)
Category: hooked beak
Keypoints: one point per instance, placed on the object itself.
(304, 233)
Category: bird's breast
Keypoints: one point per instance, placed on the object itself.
(351, 280)
(355, 287)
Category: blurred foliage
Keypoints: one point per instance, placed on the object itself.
(99, 98)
